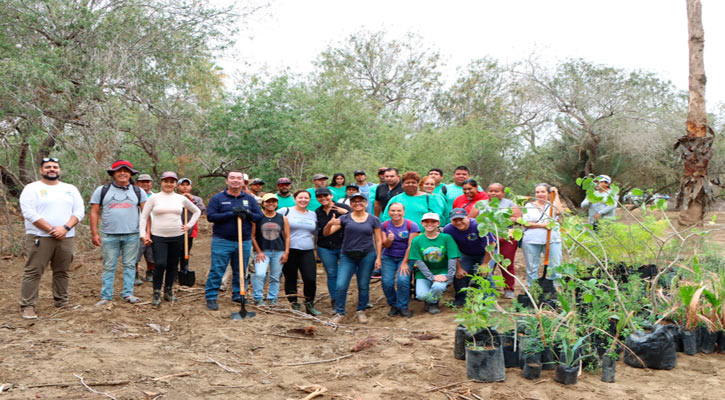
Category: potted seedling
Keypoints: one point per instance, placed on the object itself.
(484, 353)
(567, 370)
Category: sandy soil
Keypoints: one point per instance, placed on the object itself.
(183, 351)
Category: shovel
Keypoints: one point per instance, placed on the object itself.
(186, 277)
(547, 285)
(243, 313)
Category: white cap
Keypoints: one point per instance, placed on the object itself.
(431, 215)
(245, 177)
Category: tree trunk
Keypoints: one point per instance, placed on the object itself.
(695, 147)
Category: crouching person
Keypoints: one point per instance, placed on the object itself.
(434, 254)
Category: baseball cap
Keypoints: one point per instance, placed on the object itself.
(322, 191)
(459, 213)
(359, 172)
(318, 176)
(382, 170)
(352, 185)
(169, 174)
(257, 181)
(182, 180)
(144, 177)
(121, 164)
(269, 196)
(432, 216)
(284, 181)
(603, 178)
(245, 177)
(358, 195)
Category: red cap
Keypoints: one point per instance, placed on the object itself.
(121, 164)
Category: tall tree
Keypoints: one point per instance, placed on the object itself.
(695, 148)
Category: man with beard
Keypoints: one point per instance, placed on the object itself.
(284, 196)
(51, 209)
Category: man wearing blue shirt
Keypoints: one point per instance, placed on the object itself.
(223, 210)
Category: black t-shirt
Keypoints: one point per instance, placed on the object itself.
(383, 193)
(359, 235)
(270, 232)
(333, 241)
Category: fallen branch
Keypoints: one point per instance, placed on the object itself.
(312, 362)
(91, 389)
(222, 366)
(437, 388)
(294, 337)
(165, 377)
(313, 390)
(66, 384)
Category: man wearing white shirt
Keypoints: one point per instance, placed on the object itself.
(51, 210)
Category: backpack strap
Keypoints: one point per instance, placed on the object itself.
(385, 225)
(444, 190)
(138, 195)
(106, 187)
(104, 191)
(408, 224)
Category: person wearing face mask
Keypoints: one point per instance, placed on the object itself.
(535, 234)
(417, 202)
(166, 233)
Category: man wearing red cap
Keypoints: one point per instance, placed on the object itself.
(119, 204)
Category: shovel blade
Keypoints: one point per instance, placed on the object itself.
(243, 313)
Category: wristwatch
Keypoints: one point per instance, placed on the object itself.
(67, 228)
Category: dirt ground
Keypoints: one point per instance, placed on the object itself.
(184, 351)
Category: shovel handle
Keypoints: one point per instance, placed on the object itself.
(548, 233)
(240, 239)
(186, 235)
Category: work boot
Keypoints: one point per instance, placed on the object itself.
(157, 298)
(169, 295)
(394, 311)
(404, 312)
(296, 306)
(137, 281)
(212, 305)
(310, 308)
(433, 308)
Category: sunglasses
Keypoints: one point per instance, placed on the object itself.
(49, 159)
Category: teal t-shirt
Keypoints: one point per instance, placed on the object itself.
(371, 199)
(337, 193)
(453, 192)
(288, 201)
(435, 253)
(416, 206)
(314, 204)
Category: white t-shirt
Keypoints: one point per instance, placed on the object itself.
(53, 203)
(166, 209)
(538, 215)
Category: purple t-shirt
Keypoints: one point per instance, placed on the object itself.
(469, 241)
(402, 234)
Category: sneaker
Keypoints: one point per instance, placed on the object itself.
(433, 308)
(132, 299)
(103, 302)
(394, 311)
(156, 302)
(508, 294)
(137, 281)
(149, 276)
(169, 296)
(28, 313)
(361, 317)
(337, 318)
(272, 302)
(404, 312)
(259, 302)
(370, 305)
(212, 305)
(223, 287)
(296, 306)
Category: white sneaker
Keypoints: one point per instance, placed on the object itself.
(103, 302)
(361, 317)
(337, 318)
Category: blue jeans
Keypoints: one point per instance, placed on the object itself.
(125, 245)
(271, 260)
(331, 261)
(532, 254)
(390, 271)
(222, 252)
(429, 291)
(362, 269)
(470, 265)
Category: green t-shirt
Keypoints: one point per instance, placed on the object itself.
(438, 189)
(416, 206)
(338, 193)
(434, 252)
(288, 201)
(314, 204)
(453, 192)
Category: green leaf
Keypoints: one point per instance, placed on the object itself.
(517, 234)
(661, 204)
(637, 192)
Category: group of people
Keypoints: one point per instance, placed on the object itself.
(410, 230)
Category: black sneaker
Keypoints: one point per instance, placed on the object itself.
(212, 305)
(394, 311)
(404, 312)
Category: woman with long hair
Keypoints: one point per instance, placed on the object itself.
(533, 244)
(271, 241)
(338, 186)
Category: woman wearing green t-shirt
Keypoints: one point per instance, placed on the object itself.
(435, 255)
(417, 202)
(338, 187)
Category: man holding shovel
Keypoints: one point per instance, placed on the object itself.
(226, 210)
